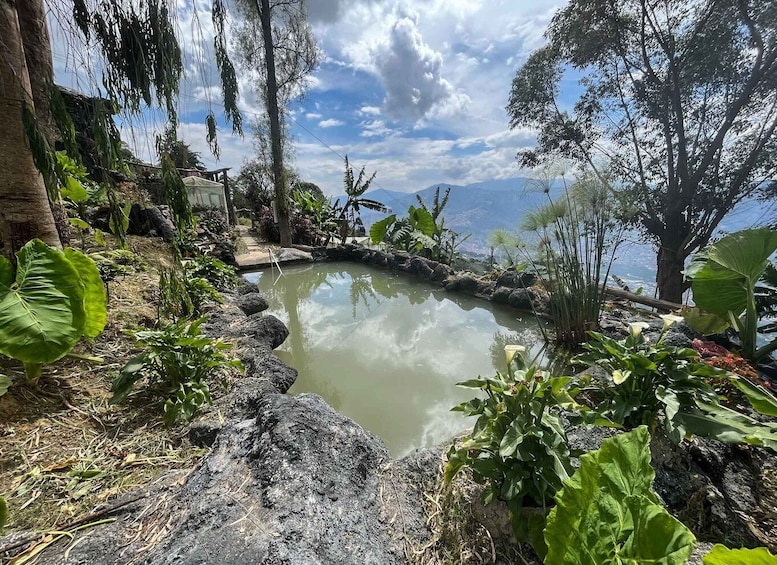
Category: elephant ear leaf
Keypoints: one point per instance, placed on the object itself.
(379, 229)
(721, 555)
(733, 265)
(42, 310)
(94, 292)
(607, 513)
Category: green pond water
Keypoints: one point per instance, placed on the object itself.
(386, 349)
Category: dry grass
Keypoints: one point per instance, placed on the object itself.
(63, 448)
(466, 532)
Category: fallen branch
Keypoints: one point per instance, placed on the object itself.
(84, 519)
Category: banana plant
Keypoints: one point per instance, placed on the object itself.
(49, 300)
(723, 281)
(355, 201)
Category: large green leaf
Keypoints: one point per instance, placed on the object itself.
(745, 252)
(379, 229)
(733, 266)
(42, 308)
(721, 555)
(421, 220)
(606, 512)
(94, 292)
(724, 424)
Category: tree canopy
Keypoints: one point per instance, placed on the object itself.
(678, 99)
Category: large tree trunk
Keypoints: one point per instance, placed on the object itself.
(669, 274)
(40, 66)
(276, 146)
(24, 205)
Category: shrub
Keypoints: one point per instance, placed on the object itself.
(182, 296)
(518, 447)
(220, 275)
(645, 381)
(178, 362)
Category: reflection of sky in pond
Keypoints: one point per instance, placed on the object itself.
(387, 350)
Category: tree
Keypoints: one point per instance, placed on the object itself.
(181, 154)
(679, 97)
(276, 43)
(355, 187)
(24, 203)
(141, 66)
(254, 184)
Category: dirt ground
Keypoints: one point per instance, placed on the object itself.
(64, 449)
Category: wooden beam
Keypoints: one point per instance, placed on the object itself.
(646, 300)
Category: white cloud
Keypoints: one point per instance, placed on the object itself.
(330, 123)
(411, 72)
(369, 111)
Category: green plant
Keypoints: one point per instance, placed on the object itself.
(49, 300)
(182, 296)
(647, 380)
(606, 513)
(118, 221)
(723, 280)
(350, 213)
(178, 362)
(412, 233)
(518, 447)
(577, 237)
(176, 196)
(320, 211)
(726, 424)
(721, 555)
(446, 241)
(220, 275)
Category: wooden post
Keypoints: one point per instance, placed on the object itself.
(231, 215)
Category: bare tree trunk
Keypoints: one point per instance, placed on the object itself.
(40, 67)
(276, 147)
(24, 205)
(669, 274)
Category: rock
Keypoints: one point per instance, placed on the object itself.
(514, 279)
(247, 288)
(441, 272)
(501, 295)
(521, 298)
(291, 254)
(260, 363)
(267, 329)
(485, 289)
(420, 267)
(295, 484)
(251, 303)
(202, 433)
(463, 282)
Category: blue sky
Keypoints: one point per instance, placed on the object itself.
(413, 90)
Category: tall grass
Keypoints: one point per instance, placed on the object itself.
(577, 235)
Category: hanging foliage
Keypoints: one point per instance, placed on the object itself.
(176, 196)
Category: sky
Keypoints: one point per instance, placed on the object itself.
(413, 90)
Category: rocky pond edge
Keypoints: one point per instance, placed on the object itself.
(289, 480)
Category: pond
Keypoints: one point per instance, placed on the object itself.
(387, 350)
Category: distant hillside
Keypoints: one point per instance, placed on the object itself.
(476, 208)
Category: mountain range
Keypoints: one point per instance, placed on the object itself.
(477, 208)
